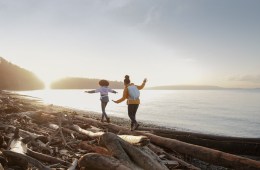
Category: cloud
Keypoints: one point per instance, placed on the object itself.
(246, 78)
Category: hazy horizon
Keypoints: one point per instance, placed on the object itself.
(169, 42)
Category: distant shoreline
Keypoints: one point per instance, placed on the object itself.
(190, 87)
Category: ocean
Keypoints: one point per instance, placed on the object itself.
(219, 112)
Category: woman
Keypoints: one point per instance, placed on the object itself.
(103, 90)
(132, 95)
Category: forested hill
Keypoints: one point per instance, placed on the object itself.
(83, 83)
(13, 77)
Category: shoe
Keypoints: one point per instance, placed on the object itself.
(108, 120)
(136, 125)
(102, 120)
(132, 127)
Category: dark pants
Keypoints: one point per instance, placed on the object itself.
(103, 106)
(132, 109)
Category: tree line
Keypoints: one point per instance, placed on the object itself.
(82, 83)
(13, 77)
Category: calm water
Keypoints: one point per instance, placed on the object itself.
(223, 112)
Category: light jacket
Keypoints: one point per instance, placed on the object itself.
(103, 90)
(126, 95)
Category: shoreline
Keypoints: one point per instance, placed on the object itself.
(38, 103)
(125, 122)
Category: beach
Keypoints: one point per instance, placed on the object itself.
(13, 104)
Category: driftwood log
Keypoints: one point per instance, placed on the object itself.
(235, 145)
(206, 154)
(97, 161)
(24, 158)
(129, 155)
(160, 151)
(136, 140)
(17, 153)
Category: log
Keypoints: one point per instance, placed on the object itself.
(156, 158)
(205, 154)
(136, 140)
(25, 158)
(74, 164)
(128, 154)
(235, 145)
(68, 131)
(86, 132)
(23, 133)
(16, 148)
(16, 145)
(100, 162)
(184, 164)
(46, 158)
(92, 148)
(42, 146)
(17, 153)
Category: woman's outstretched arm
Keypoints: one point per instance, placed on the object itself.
(125, 94)
(143, 84)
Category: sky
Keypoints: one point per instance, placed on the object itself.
(169, 42)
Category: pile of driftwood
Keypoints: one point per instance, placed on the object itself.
(65, 140)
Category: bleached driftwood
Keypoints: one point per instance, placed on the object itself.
(137, 140)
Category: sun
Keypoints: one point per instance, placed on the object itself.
(48, 80)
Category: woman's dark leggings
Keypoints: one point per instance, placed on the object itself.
(103, 106)
(132, 109)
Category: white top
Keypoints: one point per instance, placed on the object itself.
(104, 90)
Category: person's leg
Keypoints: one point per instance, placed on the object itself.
(131, 110)
(108, 119)
(103, 106)
(135, 108)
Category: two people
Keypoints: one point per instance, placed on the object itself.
(131, 93)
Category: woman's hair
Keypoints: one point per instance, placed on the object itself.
(127, 80)
(103, 83)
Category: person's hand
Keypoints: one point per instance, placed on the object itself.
(145, 80)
